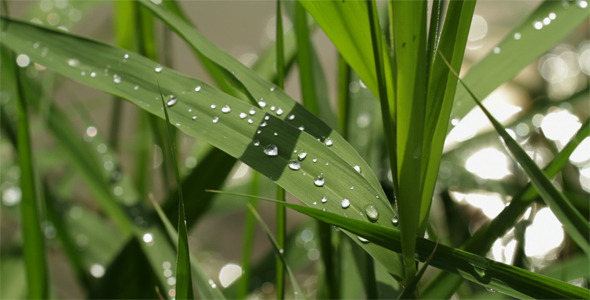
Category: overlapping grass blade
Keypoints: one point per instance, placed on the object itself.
(576, 226)
(516, 51)
(441, 92)
(322, 164)
(500, 277)
(184, 288)
(33, 238)
(444, 284)
(409, 43)
(204, 288)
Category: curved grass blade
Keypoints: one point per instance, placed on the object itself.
(204, 288)
(516, 51)
(500, 277)
(184, 289)
(576, 226)
(33, 238)
(307, 168)
(445, 284)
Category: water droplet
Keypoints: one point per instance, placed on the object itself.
(352, 187)
(136, 87)
(362, 239)
(116, 79)
(315, 203)
(148, 238)
(36, 45)
(126, 56)
(197, 88)
(273, 108)
(271, 150)
(172, 101)
(517, 36)
(291, 117)
(194, 117)
(226, 109)
(213, 106)
(315, 160)
(279, 111)
(538, 25)
(583, 4)
(319, 181)
(250, 121)
(552, 16)
(215, 120)
(272, 89)
(480, 270)
(243, 115)
(497, 50)
(92, 74)
(324, 199)
(158, 69)
(395, 221)
(491, 290)
(372, 212)
(357, 168)
(266, 118)
(256, 143)
(345, 203)
(252, 111)
(329, 142)
(294, 165)
(263, 124)
(23, 60)
(212, 283)
(301, 156)
(262, 103)
(72, 62)
(275, 133)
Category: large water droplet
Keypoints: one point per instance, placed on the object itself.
(262, 103)
(226, 109)
(345, 203)
(271, 150)
(158, 69)
(279, 111)
(371, 212)
(116, 79)
(172, 101)
(243, 115)
(329, 142)
(319, 180)
(301, 156)
(357, 168)
(294, 165)
(395, 221)
(215, 120)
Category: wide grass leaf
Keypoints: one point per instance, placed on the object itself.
(308, 168)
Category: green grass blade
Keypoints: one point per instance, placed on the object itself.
(248, 240)
(204, 288)
(184, 288)
(500, 277)
(279, 252)
(516, 51)
(33, 238)
(333, 162)
(441, 92)
(409, 25)
(576, 226)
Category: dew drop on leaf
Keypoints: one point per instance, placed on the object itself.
(198, 88)
(371, 212)
(324, 199)
(158, 69)
(226, 109)
(173, 100)
(271, 150)
(362, 239)
(395, 221)
(262, 103)
(357, 168)
(215, 120)
(319, 181)
(243, 115)
(116, 79)
(345, 203)
(279, 111)
(250, 121)
(291, 117)
(194, 117)
(256, 143)
(301, 156)
(329, 142)
(294, 165)
(252, 111)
